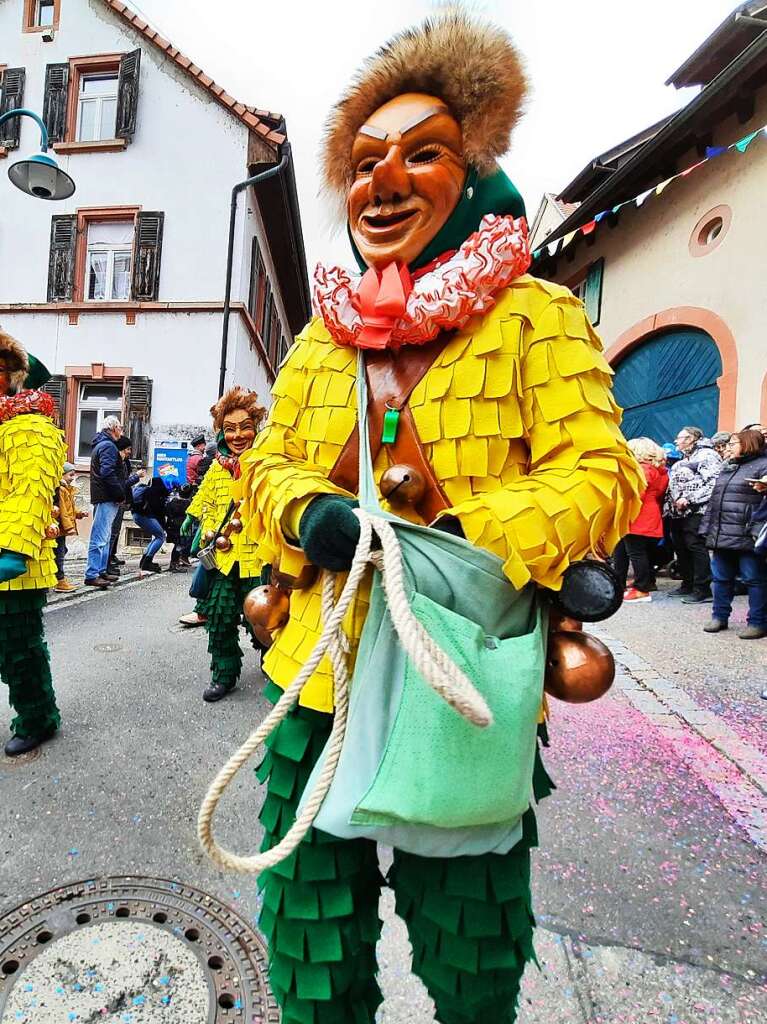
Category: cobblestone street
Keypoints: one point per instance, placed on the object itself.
(650, 882)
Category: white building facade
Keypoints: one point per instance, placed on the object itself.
(120, 289)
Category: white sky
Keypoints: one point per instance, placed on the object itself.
(597, 69)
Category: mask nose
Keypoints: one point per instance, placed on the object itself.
(389, 182)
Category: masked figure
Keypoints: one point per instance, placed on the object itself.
(489, 416)
(32, 454)
(236, 417)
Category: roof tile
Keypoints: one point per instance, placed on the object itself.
(249, 116)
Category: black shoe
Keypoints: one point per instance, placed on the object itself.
(698, 597)
(215, 693)
(680, 591)
(177, 567)
(715, 626)
(146, 565)
(117, 561)
(23, 744)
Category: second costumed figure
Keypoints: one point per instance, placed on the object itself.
(215, 513)
(466, 407)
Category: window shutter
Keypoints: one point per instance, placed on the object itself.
(138, 409)
(11, 97)
(127, 95)
(147, 250)
(592, 295)
(55, 101)
(57, 389)
(61, 262)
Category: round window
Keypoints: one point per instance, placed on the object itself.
(710, 231)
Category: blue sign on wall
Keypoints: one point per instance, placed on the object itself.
(170, 466)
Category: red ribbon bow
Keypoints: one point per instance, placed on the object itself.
(381, 300)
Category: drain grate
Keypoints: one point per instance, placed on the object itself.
(231, 958)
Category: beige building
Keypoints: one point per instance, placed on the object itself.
(665, 242)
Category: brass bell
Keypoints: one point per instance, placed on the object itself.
(235, 525)
(267, 607)
(208, 537)
(402, 485)
(579, 668)
(223, 544)
(52, 531)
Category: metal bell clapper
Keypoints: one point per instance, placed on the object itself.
(402, 485)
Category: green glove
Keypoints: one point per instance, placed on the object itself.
(329, 532)
(188, 526)
(12, 565)
(196, 543)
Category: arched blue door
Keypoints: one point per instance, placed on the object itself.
(669, 382)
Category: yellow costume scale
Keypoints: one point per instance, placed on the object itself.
(32, 453)
(516, 418)
(210, 505)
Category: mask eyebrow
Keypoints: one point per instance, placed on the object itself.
(378, 133)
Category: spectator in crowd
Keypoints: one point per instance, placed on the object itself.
(720, 440)
(68, 517)
(639, 546)
(727, 527)
(179, 500)
(150, 498)
(195, 458)
(691, 482)
(107, 491)
(129, 478)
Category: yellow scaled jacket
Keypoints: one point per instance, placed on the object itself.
(210, 505)
(517, 419)
(32, 453)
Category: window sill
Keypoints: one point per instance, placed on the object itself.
(102, 146)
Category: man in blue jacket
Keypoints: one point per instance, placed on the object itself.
(107, 491)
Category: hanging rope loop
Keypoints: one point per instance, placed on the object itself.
(436, 667)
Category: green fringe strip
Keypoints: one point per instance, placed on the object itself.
(25, 663)
(320, 911)
(223, 609)
(469, 918)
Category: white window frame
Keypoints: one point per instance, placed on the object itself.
(111, 249)
(83, 98)
(103, 407)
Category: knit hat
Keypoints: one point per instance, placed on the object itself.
(123, 443)
(69, 467)
(200, 439)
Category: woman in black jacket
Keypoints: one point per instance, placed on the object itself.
(727, 530)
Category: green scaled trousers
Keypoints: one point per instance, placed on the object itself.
(25, 665)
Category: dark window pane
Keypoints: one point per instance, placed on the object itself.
(88, 421)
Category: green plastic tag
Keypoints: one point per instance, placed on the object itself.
(390, 424)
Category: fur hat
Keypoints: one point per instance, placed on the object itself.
(18, 360)
(472, 65)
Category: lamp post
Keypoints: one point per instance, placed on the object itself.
(38, 175)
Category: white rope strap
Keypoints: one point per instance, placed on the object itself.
(439, 671)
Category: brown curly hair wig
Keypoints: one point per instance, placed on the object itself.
(470, 64)
(237, 398)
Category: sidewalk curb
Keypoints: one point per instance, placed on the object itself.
(729, 767)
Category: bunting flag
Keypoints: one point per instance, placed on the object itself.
(712, 152)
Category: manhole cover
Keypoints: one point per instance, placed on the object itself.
(134, 951)
(21, 759)
(108, 648)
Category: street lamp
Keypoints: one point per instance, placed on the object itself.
(39, 175)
